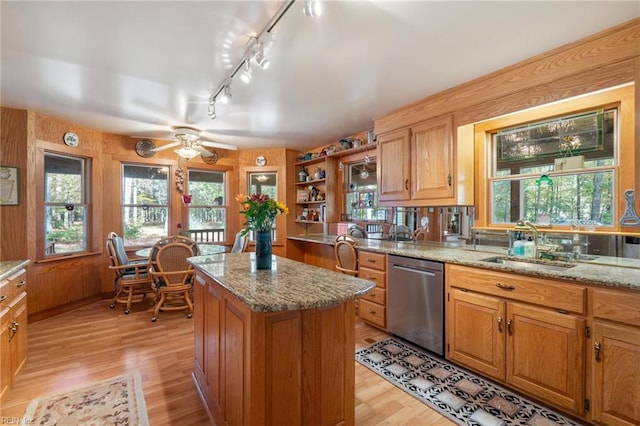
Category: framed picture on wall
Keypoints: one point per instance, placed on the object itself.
(9, 186)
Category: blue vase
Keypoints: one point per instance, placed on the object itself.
(263, 250)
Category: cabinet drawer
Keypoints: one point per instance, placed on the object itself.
(378, 295)
(379, 277)
(372, 260)
(372, 312)
(616, 306)
(17, 283)
(539, 291)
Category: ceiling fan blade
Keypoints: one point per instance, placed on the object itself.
(167, 146)
(219, 145)
(202, 150)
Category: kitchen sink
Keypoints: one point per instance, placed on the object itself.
(532, 264)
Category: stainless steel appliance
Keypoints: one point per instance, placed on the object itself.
(415, 301)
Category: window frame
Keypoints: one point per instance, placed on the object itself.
(93, 183)
(122, 205)
(224, 206)
(620, 97)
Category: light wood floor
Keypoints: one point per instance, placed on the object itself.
(94, 343)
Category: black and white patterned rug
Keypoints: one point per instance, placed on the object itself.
(457, 394)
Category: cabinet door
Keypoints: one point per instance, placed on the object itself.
(5, 352)
(432, 159)
(19, 341)
(545, 355)
(394, 162)
(616, 374)
(476, 332)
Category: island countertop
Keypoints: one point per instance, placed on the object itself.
(290, 285)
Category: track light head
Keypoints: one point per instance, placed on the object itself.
(260, 59)
(225, 96)
(246, 74)
(212, 110)
(312, 8)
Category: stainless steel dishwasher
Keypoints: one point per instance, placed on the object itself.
(415, 301)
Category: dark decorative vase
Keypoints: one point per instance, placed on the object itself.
(263, 249)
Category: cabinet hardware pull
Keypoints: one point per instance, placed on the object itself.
(449, 179)
(406, 184)
(505, 286)
(372, 294)
(21, 284)
(3, 298)
(15, 324)
(371, 260)
(596, 349)
(12, 332)
(371, 311)
(509, 327)
(500, 324)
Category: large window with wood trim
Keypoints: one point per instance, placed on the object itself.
(66, 204)
(208, 207)
(558, 165)
(264, 183)
(145, 203)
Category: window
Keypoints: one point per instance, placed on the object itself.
(65, 204)
(208, 208)
(557, 171)
(145, 203)
(361, 197)
(264, 183)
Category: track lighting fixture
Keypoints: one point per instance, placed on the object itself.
(259, 57)
(312, 8)
(246, 74)
(225, 96)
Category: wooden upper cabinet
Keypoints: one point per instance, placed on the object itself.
(432, 159)
(425, 165)
(394, 165)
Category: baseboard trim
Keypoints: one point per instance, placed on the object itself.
(51, 312)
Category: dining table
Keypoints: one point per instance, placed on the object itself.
(205, 250)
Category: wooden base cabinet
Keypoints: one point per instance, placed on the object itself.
(13, 329)
(535, 349)
(273, 367)
(373, 306)
(615, 357)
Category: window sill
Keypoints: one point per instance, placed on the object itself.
(67, 256)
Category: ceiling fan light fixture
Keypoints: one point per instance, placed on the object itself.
(312, 8)
(262, 178)
(186, 153)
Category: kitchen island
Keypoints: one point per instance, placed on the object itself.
(274, 346)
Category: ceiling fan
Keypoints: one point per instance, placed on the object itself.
(189, 143)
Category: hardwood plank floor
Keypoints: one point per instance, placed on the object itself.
(94, 343)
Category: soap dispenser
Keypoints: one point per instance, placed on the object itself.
(518, 247)
(530, 248)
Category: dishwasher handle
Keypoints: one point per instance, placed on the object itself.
(416, 270)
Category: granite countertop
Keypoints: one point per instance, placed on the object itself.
(10, 267)
(288, 286)
(605, 271)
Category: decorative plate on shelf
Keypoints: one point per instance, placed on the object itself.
(144, 148)
(261, 161)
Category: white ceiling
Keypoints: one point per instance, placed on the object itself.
(141, 68)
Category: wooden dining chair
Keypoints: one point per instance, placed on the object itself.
(346, 255)
(172, 277)
(132, 278)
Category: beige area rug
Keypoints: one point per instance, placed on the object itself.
(115, 401)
